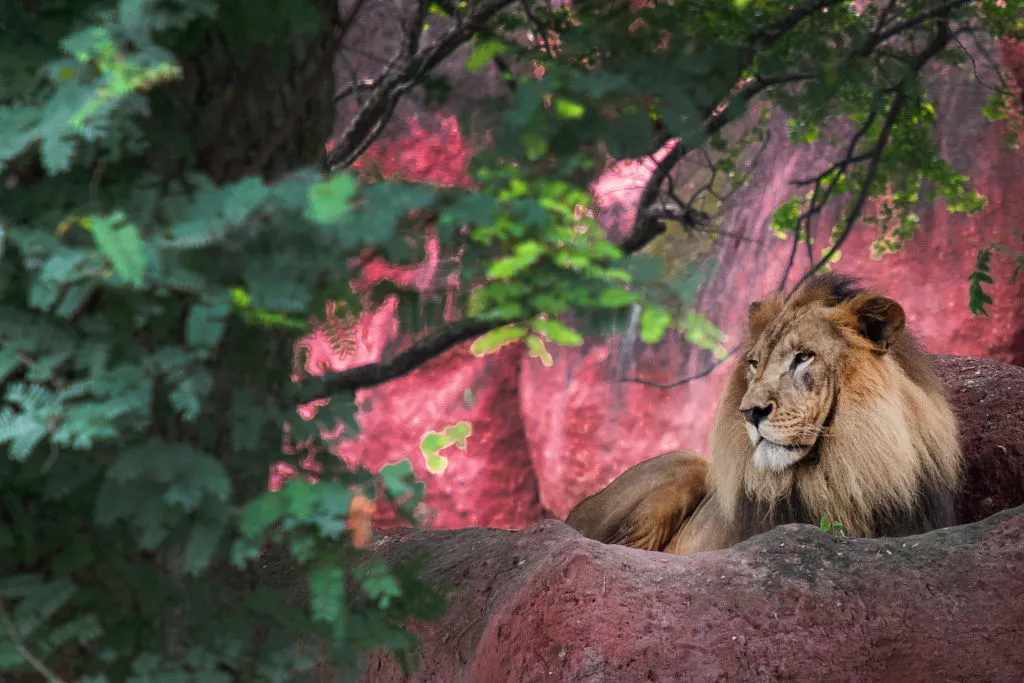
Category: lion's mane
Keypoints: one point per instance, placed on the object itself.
(889, 462)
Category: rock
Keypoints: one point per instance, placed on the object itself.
(546, 604)
(988, 399)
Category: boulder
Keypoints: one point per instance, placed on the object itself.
(988, 400)
(796, 603)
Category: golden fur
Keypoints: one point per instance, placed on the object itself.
(832, 409)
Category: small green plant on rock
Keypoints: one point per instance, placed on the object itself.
(831, 527)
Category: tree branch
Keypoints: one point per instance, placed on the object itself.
(372, 374)
(830, 178)
(402, 72)
(647, 226)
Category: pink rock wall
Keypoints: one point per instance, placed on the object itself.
(543, 438)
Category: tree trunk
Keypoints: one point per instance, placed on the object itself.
(261, 105)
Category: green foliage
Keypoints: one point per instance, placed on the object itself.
(978, 298)
(435, 442)
(149, 312)
(981, 275)
(833, 527)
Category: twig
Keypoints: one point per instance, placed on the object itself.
(19, 645)
(854, 213)
(938, 12)
(700, 375)
(368, 122)
(402, 73)
(540, 29)
(974, 64)
(365, 84)
(830, 177)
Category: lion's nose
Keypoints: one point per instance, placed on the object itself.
(755, 414)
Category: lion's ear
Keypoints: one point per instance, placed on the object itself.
(880, 320)
(761, 312)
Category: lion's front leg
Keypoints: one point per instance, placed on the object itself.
(647, 504)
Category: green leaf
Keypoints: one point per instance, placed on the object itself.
(433, 442)
(556, 332)
(205, 323)
(478, 208)
(484, 51)
(653, 322)
(617, 298)
(383, 205)
(121, 245)
(495, 339)
(526, 254)
(327, 591)
(328, 200)
(567, 109)
(203, 541)
(56, 153)
(538, 350)
(262, 512)
(436, 463)
(978, 297)
(397, 479)
(534, 145)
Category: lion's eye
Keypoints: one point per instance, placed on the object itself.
(752, 363)
(802, 357)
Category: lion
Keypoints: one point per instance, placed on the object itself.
(832, 410)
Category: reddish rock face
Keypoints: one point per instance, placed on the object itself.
(545, 604)
(543, 438)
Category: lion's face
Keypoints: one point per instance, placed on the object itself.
(795, 359)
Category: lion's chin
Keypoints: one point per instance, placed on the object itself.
(773, 457)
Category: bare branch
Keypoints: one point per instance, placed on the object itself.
(854, 213)
(700, 375)
(830, 179)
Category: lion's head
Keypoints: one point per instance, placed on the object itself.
(834, 409)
